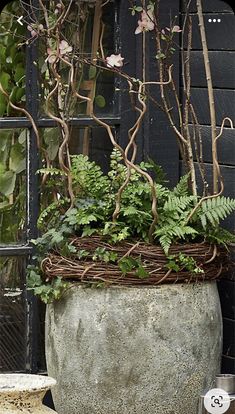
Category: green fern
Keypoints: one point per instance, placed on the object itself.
(179, 204)
(51, 171)
(88, 177)
(213, 210)
(182, 189)
(170, 233)
(51, 211)
(221, 236)
(162, 193)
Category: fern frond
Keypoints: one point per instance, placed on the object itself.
(214, 210)
(169, 233)
(182, 189)
(51, 171)
(162, 192)
(49, 210)
(179, 204)
(221, 236)
(88, 176)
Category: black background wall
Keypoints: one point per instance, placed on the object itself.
(158, 141)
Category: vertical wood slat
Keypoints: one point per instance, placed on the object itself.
(159, 138)
(213, 6)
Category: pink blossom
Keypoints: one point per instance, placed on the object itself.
(176, 29)
(33, 32)
(64, 47)
(52, 56)
(146, 23)
(58, 8)
(114, 60)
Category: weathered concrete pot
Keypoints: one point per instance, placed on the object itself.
(23, 393)
(134, 350)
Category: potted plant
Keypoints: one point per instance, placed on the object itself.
(133, 263)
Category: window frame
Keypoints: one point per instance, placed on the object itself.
(26, 249)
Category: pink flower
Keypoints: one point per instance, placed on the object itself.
(114, 60)
(58, 8)
(52, 56)
(33, 32)
(176, 29)
(64, 47)
(146, 23)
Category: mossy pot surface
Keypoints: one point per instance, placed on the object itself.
(134, 350)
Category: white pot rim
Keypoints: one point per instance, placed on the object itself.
(14, 383)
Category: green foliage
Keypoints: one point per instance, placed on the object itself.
(172, 232)
(103, 255)
(88, 178)
(12, 59)
(218, 235)
(182, 188)
(95, 195)
(47, 291)
(100, 101)
(214, 210)
(12, 184)
(128, 264)
(182, 262)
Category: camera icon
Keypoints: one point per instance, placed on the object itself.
(216, 401)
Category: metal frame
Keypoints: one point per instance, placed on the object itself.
(32, 194)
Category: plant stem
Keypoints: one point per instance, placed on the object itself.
(210, 95)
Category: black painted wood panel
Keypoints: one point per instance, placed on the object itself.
(224, 104)
(228, 365)
(221, 43)
(228, 333)
(212, 6)
(226, 145)
(227, 294)
(222, 69)
(159, 141)
(220, 36)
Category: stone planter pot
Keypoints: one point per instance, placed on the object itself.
(23, 393)
(134, 350)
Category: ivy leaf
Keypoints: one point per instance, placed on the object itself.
(7, 182)
(17, 159)
(34, 279)
(51, 139)
(4, 79)
(3, 104)
(22, 137)
(173, 266)
(88, 231)
(127, 264)
(82, 253)
(92, 72)
(19, 73)
(100, 101)
(86, 218)
(20, 94)
(141, 272)
(4, 205)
